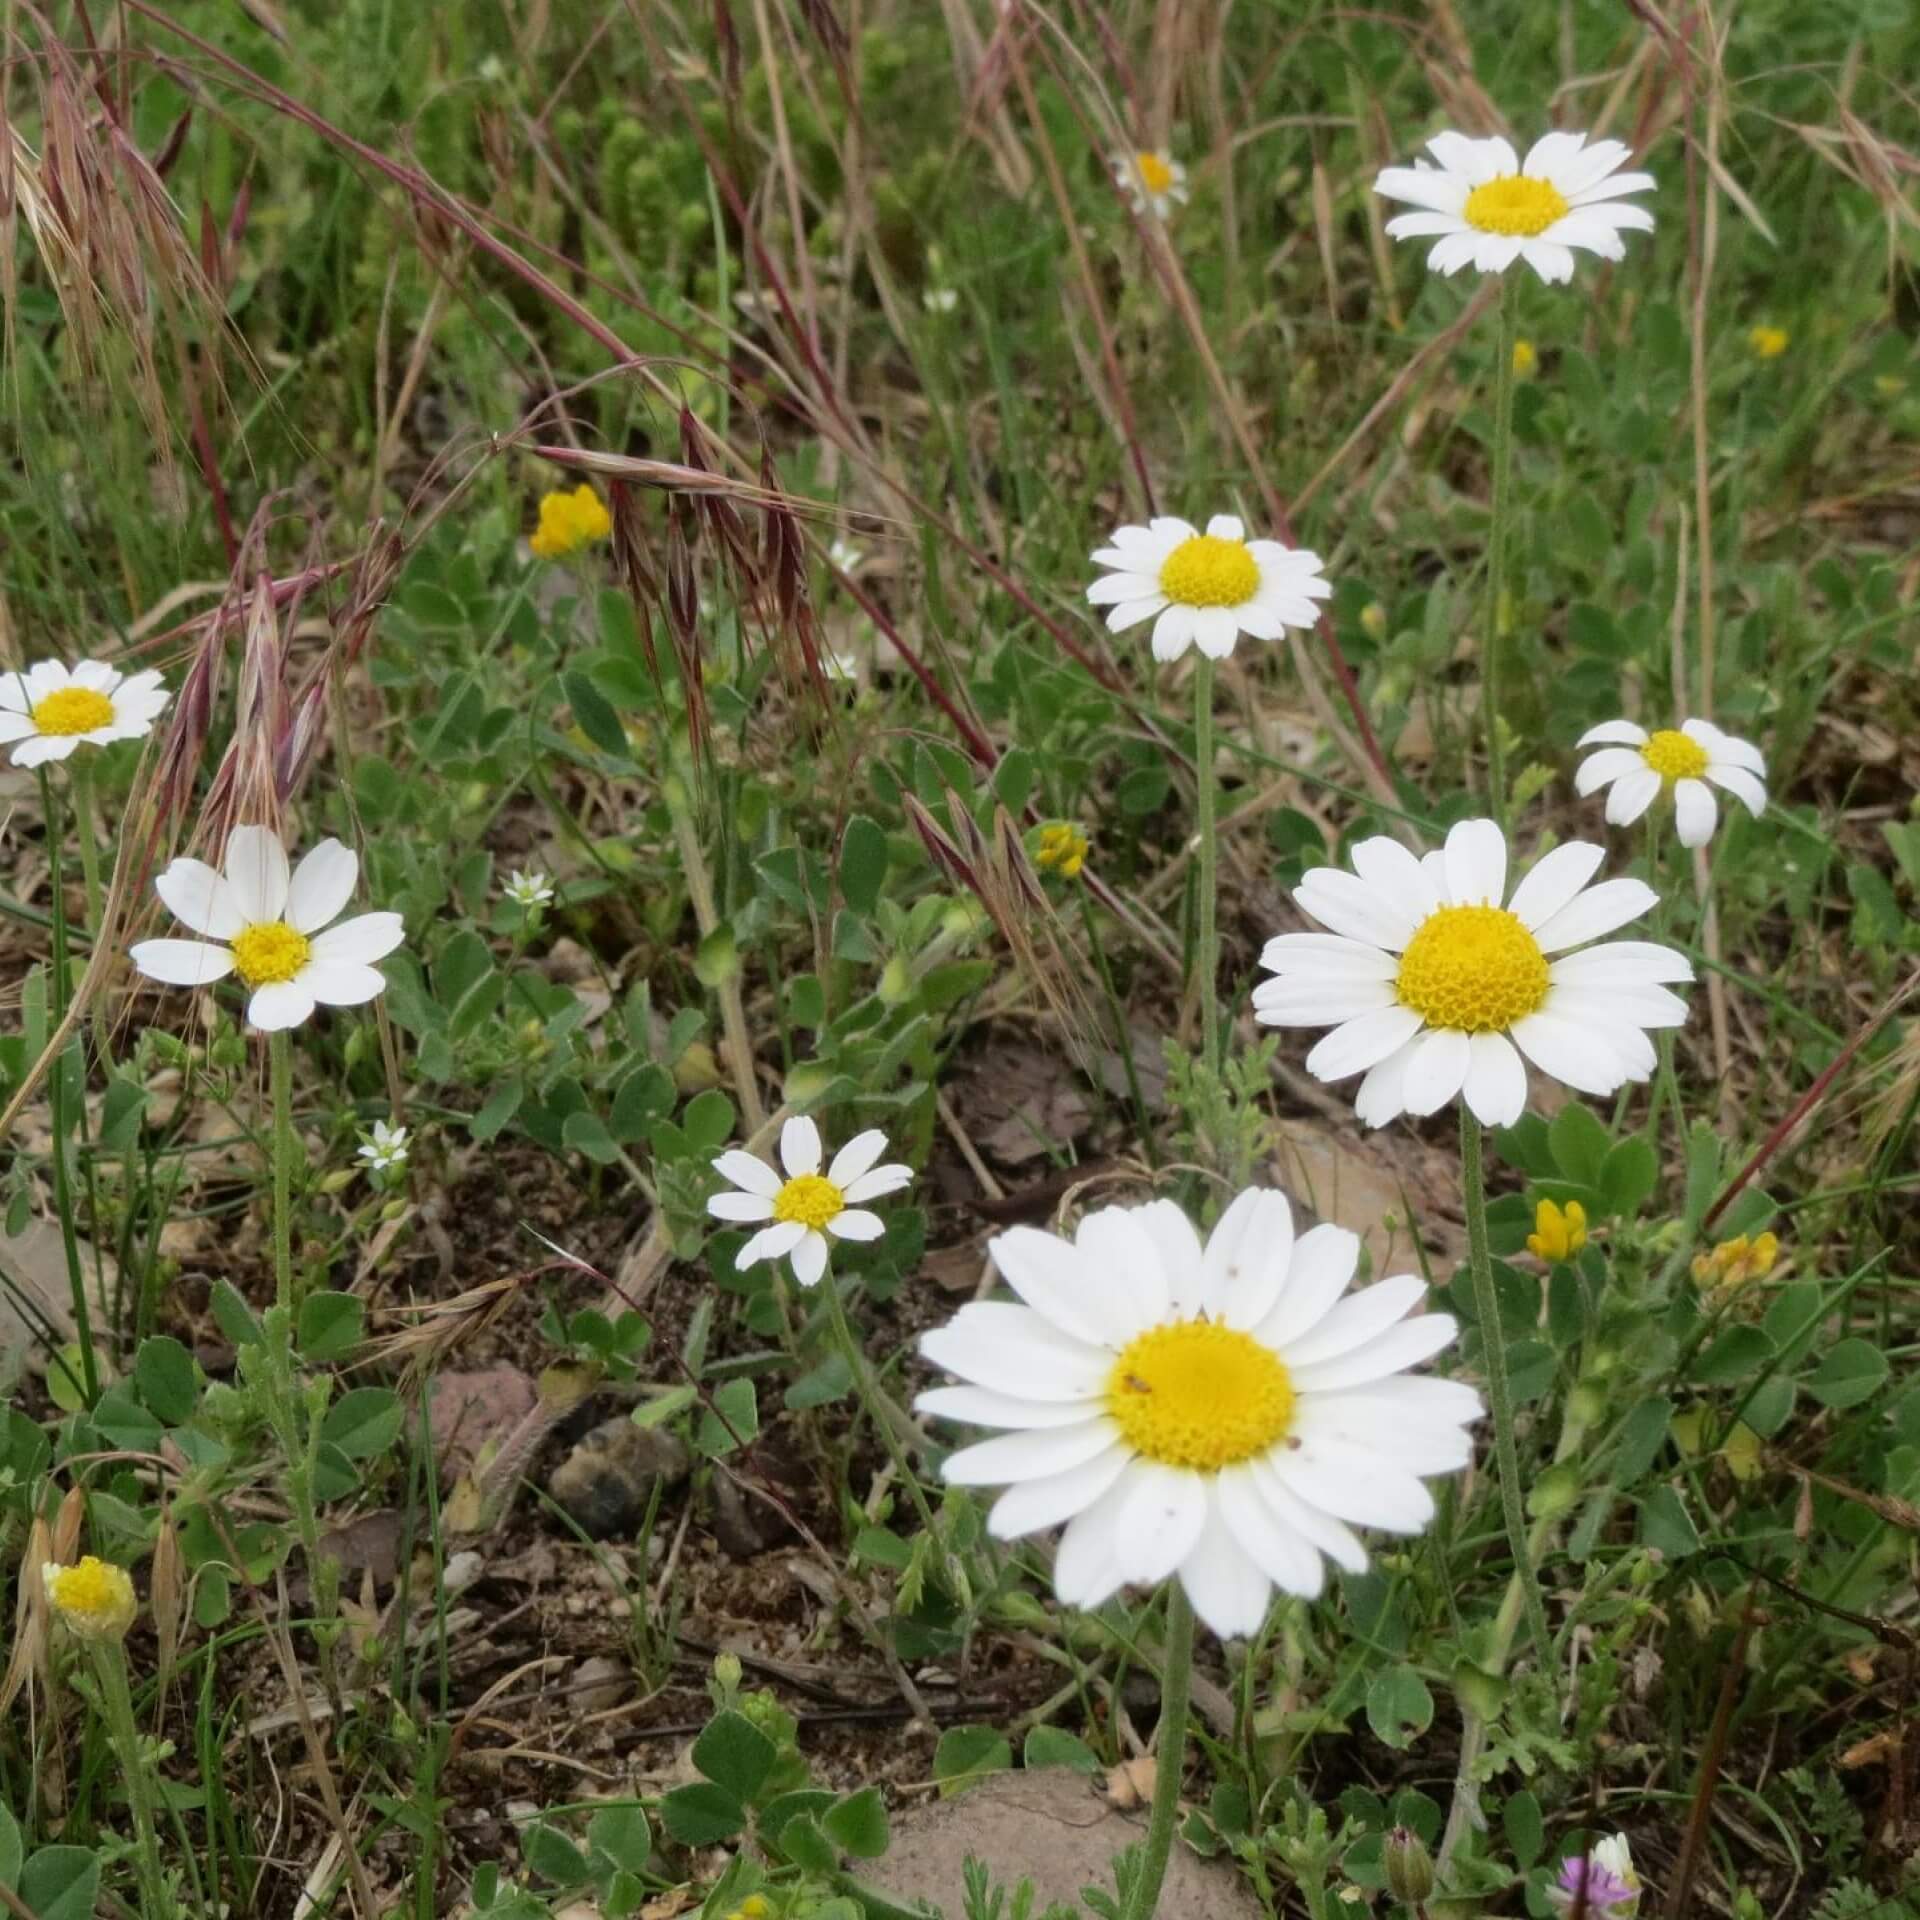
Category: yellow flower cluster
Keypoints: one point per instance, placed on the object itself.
(1558, 1234)
(568, 522)
(92, 1600)
(1062, 849)
(756, 1906)
(1768, 343)
(1733, 1263)
(1526, 360)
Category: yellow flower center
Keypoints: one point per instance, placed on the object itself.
(1155, 175)
(1199, 1395)
(1474, 969)
(269, 952)
(809, 1198)
(1515, 204)
(73, 710)
(93, 1598)
(1209, 572)
(1675, 756)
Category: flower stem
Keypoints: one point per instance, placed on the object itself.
(116, 1697)
(1493, 1343)
(1497, 546)
(1207, 953)
(1176, 1677)
(80, 774)
(280, 1072)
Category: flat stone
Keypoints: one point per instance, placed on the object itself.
(607, 1482)
(1051, 1826)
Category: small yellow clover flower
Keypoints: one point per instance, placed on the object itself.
(756, 1906)
(568, 522)
(1557, 1235)
(1734, 1262)
(93, 1600)
(1768, 343)
(1526, 360)
(1062, 849)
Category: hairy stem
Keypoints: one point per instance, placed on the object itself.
(1176, 1678)
(1207, 946)
(1497, 546)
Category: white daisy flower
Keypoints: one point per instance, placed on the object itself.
(384, 1148)
(528, 890)
(1485, 208)
(50, 709)
(807, 1205)
(1638, 766)
(1154, 182)
(1220, 1414)
(846, 556)
(265, 925)
(1434, 989)
(1207, 588)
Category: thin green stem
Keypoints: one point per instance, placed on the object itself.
(1122, 1035)
(1493, 1343)
(1207, 947)
(80, 775)
(116, 1697)
(280, 1072)
(1176, 1679)
(1497, 546)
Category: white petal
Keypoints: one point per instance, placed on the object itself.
(858, 1156)
(198, 897)
(982, 1407)
(1742, 785)
(877, 1184)
(1476, 864)
(256, 869)
(1162, 1510)
(1345, 904)
(1228, 1590)
(14, 697)
(1621, 963)
(1173, 1238)
(1383, 1093)
(1401, 1346)
(855, 1223)
(1012, 1350)
(1129, 1264)
(1632, 794)
(341, 983)
(1037, 1504)
(1437, 1071)
(1427, 187)
(1582, 1060)
(1129, 613)
(1495, 1088)
(43, 748)
(1363, 1042)
(1356, 1321)
(365, 938)
(1320, 1271)
(1033, 1455)
(1055, 1279)
(1326, 956)
(800, 1147)
(1606, 1012)
(1354, 1484)
(809, 1259)
(1116, 589)
(15, 726)
(1386, 1420)
(742, 1206)
(1553, 881)
(1554, 264)
(279, 1005)
(1247, 1256)
(1223, 526)
(1611, 763)
(1599, 910)
(181, 963)
(1724, 746)
(1319, 1529)
(1386, 866)
(1282, 1554)
(1087, 1568)
(773, 1243)
(1214, 631)
(1423, 226)
(1172, 633)
(1452, 251)
(321, 885)
(1695, 812)
(748, 1171)
(1319, 1003)
(1620, 733)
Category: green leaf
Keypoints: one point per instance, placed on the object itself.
(1666, 1524)
(1526, 1833)
(1627, 1179)
(821, 1385)
(12, 1848)
(702, 1815)
(61, 1883)
(586, 1133)
(733, 1753)
(1055, 1747)
(1642, 1435)
(594, 715)
(882, 1549)
(1579, 1143)
(232, 1315)
(1738, 1353)
(501, 1105)
(802, 1841)
(1703, 1173)
(1399, 1707)
(363, 1422)
(732, 1421)
(549, 1853)
(708, 1122)
(863, 864)
(968, 1754)
(330, 1325)
(645, 1095)
(164, 1372)
(1852, 1372)
(858, 1824)
(623, 1835)
(717, 958)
